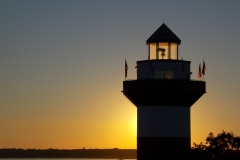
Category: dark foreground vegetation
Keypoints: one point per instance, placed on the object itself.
(74, 153)
(224, 146)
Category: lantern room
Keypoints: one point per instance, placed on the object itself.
(163, 44)
(163, 61)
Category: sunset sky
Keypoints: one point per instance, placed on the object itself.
(62, 68)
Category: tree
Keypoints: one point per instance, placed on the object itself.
(224, 146)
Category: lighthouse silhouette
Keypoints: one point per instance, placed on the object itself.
(163, 94)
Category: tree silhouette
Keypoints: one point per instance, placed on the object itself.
(224, 146)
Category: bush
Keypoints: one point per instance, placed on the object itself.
(225, 146)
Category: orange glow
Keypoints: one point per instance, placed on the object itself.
(62, 69)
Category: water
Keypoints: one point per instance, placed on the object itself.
(58, 159)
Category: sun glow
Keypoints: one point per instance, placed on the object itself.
(133, 131)
(134, 124)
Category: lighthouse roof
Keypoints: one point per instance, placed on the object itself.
(163, 34)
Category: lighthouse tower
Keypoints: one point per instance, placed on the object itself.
(163, 94)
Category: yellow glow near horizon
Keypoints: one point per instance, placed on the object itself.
(70, 135)
(134, 124)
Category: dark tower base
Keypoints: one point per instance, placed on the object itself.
(156, 148)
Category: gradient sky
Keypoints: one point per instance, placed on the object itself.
(62, 67)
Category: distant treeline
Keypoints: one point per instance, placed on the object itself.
(224, 146)
(64, 153)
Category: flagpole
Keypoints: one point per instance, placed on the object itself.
(136, 70)
(126, 69)
(199, 72)
(203, 69)
(125, 74)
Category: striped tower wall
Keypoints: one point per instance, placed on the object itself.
(163, 131)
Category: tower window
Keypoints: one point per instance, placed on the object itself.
(169, 74)
(164, 74)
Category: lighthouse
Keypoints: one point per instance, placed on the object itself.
(163, 94)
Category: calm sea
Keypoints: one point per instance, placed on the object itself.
(57, 159)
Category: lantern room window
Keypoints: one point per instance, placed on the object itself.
(174, 51)
(163, 50)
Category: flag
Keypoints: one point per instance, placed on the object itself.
(182, 66)
(203, 68)
(126, 68)
(199, 71)
(136, 67)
